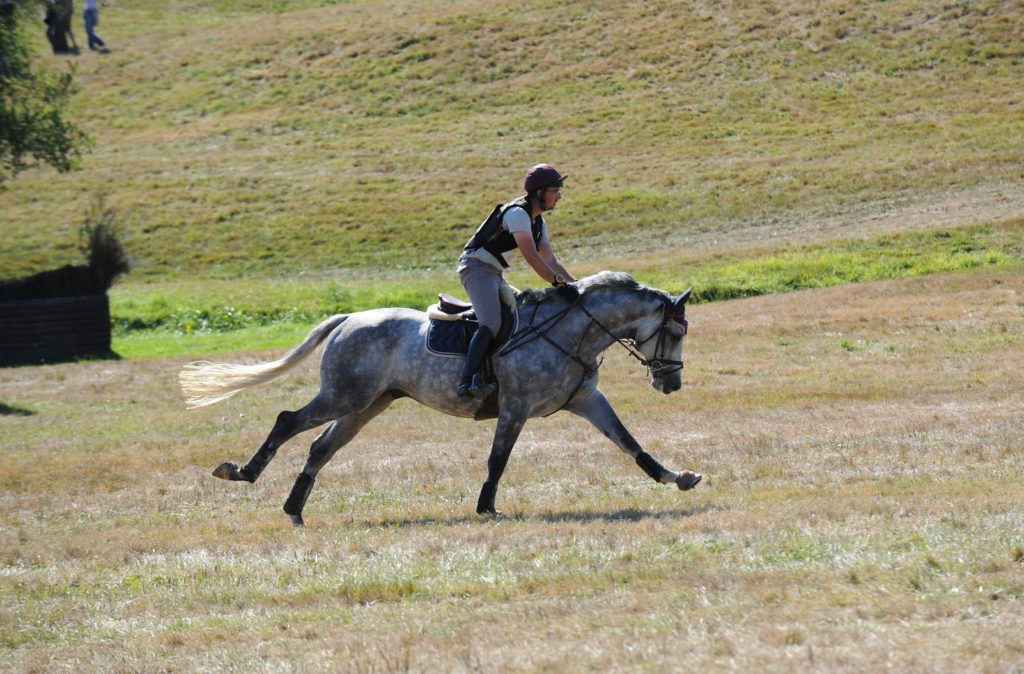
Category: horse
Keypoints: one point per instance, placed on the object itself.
(372, 358)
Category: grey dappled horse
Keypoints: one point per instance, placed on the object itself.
(372, 358)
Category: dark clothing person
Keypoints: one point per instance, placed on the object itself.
(58, 38)
(58, 26)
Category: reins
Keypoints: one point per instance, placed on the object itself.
(532, 333)
(656, 366)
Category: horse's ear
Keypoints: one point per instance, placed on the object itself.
(681, 300)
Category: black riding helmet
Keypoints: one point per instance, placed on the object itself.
(542, 176)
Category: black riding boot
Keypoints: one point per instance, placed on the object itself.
(470, 385)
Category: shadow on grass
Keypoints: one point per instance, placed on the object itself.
(14, 411)
(622, 515)
(58, 360)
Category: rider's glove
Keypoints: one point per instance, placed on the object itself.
(568, 292)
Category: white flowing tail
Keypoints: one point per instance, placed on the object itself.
(206, 382)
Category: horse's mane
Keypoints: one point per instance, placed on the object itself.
(588, 284)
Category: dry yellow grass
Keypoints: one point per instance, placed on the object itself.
(862, 510)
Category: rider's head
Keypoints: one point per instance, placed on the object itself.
(543, 184)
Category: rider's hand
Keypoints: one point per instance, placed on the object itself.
(568, 292)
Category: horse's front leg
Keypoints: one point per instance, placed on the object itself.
(510, 424)
(596, 409)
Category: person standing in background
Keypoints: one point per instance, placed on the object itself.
(92, 19)
(66, 12)
(58, 41)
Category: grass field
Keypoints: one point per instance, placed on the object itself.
(209, 317)
(840, 182)
(263, 138)
(861, 511)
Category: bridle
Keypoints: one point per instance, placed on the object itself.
(656, 366)
(659, 366)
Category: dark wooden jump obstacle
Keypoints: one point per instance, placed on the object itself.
(54, 316)
(62, 328)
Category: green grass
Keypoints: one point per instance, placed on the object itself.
(247, 139)
(892, 256)
(227, 316)
(168, 343)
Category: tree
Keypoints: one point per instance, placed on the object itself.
(33, 102)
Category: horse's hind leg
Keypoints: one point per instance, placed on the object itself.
(287, 426)
(323, 449)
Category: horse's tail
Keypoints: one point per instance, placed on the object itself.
(205, 382)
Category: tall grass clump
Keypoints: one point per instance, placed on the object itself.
(107, 262)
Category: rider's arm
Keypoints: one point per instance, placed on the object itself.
(533, 257)
(548, 255)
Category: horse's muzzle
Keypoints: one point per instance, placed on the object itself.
(667, 386)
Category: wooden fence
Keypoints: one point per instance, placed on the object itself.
(46, 330)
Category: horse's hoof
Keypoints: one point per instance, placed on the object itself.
(491, 514)
(297, 521)
(226, 471)
(687, 480)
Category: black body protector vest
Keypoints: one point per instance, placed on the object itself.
(495, 239)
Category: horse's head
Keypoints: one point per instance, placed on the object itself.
(650, 320)
(660, 341)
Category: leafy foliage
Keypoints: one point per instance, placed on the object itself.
(33, 103)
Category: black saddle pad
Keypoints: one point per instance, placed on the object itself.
(451, 338)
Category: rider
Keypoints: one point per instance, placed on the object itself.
(519, 224)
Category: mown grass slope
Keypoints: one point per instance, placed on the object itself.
(265, 138)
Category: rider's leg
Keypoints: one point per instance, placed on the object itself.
(482, 283)
(471, 384)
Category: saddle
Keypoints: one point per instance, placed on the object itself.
(453, 323)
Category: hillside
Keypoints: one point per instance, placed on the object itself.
(256, 138)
